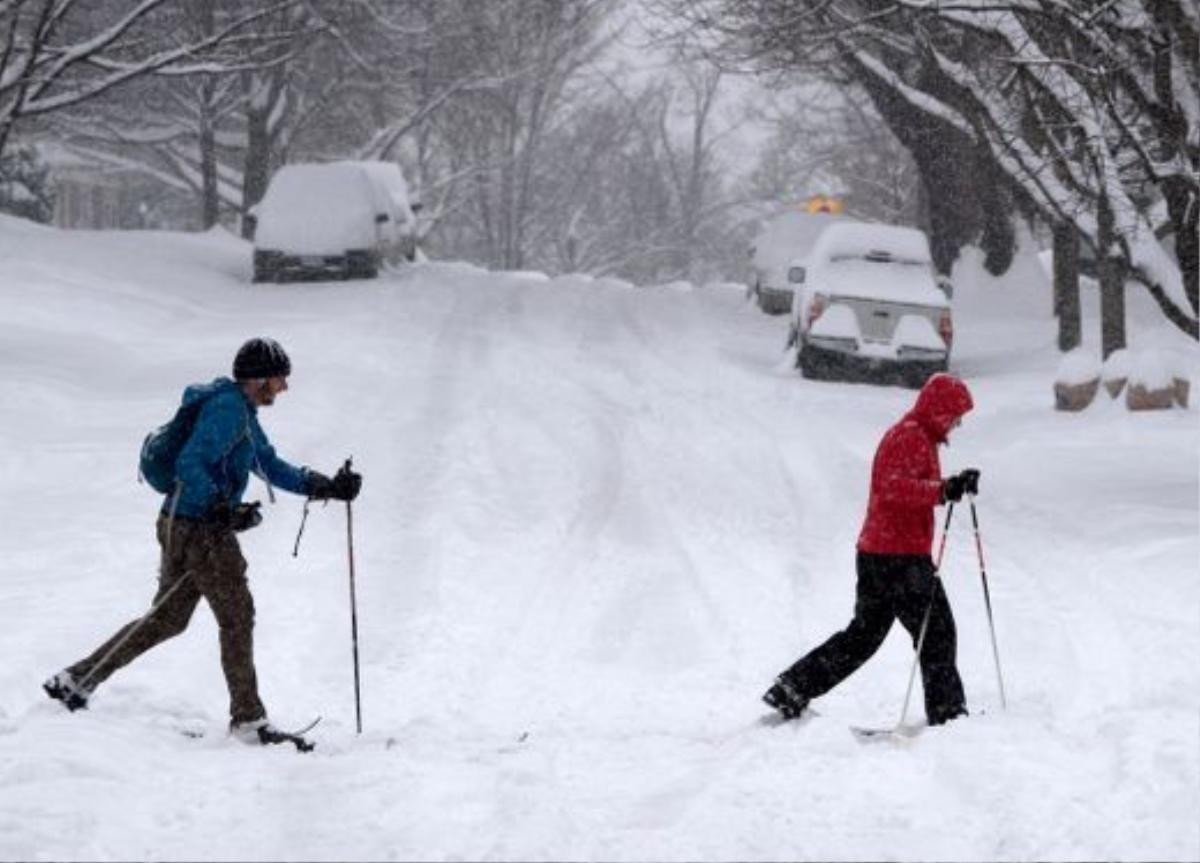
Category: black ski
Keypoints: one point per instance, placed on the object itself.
(896, 733)
(274, 736)
(775, 719)
(296, 738)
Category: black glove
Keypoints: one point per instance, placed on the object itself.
(345, 485)
(242, 517)
(964, 482)
(970, 479)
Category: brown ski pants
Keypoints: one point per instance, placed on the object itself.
(198, 560)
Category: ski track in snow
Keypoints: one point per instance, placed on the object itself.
(596, 521)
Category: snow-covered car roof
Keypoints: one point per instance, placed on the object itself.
(870, 280)
(862, 239)
(388, 180)
(789, 237)
(330, 208)
(873, 261)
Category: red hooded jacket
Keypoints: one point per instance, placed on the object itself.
(906, 478)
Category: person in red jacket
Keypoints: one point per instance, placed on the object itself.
(896, 574)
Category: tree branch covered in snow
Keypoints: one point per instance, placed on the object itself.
(1090, 112)
(59, 54)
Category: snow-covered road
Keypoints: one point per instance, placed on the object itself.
(596, 521)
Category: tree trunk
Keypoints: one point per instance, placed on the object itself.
(1066, 286)
(1111, 267)
(1184, 210)
(210, 199)
(945, 164)
(204, 19)
(1112, 304)
(1183, 202)
(998, 236)
(256, 171)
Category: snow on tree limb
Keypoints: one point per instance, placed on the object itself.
(34, 65)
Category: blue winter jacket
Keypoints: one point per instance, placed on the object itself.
(227, 443)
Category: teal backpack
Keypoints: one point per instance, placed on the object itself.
(161, 448)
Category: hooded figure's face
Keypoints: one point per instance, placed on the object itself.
(942, 403)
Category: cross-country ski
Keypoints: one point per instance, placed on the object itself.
(886, 733)
(265, 734)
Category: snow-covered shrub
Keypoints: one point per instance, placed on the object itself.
(25, 188)
(1116, 371)
(1077, 380)
(1151, 382)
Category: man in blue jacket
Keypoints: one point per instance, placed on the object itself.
(196, 530)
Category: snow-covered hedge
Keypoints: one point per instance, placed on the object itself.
(1151, 379)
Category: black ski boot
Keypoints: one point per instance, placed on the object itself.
(941, 717)
(63, 687)
(785, 698)
(262, 732)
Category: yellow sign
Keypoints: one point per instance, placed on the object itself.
(822, 204)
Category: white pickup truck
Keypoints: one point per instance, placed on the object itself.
(868, 306)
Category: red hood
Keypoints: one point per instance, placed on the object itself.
(942, 402)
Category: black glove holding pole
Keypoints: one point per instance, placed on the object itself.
(345, 485)
(241, 517)
(964, 482)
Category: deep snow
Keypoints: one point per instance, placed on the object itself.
(596, 521)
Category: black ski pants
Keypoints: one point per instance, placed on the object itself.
(891, 587)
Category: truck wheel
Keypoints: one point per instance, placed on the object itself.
(805, 361)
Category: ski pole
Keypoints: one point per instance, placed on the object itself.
(937, 569)
(162, 568)
(987, 601)
(353, 608)
(133, 629)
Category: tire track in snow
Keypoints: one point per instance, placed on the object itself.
(425, 544)
(541, 400)
(531, 627)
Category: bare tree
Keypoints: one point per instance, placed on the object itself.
(56, 55)
(632, 184)
(211, 132)
(829, 140)
(527, 57)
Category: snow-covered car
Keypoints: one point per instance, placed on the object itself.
(782, 241)
(868, 306)
(339, 220)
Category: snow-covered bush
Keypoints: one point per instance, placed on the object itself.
(1077, 380)
(1151, 382)
(1116, 371)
